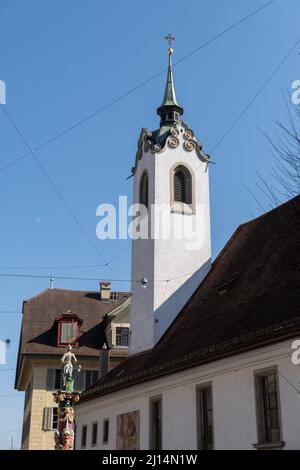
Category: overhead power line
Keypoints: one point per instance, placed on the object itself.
(241, 114)
(70, 278)
(32, 152)
(82, 266)
(137, 87)
(54, 187)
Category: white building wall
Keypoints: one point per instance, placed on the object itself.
(177, 258)
(234, 408)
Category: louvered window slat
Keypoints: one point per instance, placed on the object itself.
(179, 186)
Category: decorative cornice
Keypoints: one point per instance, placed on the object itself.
(155, 143)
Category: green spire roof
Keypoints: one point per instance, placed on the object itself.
(169, 103)
(170, 95)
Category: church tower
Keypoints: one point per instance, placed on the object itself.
(171, 180)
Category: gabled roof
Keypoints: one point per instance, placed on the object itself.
(38, 335)
(250, 298)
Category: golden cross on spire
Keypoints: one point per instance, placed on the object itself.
(170, 38)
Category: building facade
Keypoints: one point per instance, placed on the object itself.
(171, 181)
(96, 323)
(216, 406)
(210, 364)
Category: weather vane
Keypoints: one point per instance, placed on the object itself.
(170, 38)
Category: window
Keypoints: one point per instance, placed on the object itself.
(83, 435)
(68, 328)
(68, 332)
(54, 418)
(182, 185)
(94, 434)
(114, 296)
(156, 424)
(122, 336)
(57, 379)
(91, 377)
(53, 381)
(204, 417)
(268, 410)
(144, 190)
(50, 419)
(105, 431)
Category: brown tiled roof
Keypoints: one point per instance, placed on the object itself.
(39, 332)
(250, 298)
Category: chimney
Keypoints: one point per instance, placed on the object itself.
(105, 289)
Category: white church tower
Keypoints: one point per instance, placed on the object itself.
(171, 180)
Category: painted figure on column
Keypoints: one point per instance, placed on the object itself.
(67, 361)
(66, 399)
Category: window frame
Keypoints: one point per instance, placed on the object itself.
(121, 336)
(200, 388)
(105, 432)
(114, 334)
(60, 330)
(49, 417)
(94, 441)
(152, 436)
(262, 442)
(182, 207)
(144, 193)
(55, 417)
(93, 372)
(83, 433)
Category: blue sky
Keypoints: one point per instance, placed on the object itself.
(61, 61)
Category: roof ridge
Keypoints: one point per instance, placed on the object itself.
(71, 290)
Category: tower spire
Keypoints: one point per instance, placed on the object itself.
(169, 111)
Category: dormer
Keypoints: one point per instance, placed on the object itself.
(68, 326)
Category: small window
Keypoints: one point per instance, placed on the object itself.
(268, 410)
(94, 434)
(105, 431)
(176, 116)
(50, 418)
(182, 183)
(204, 418)
(122, 336)
(91, 376)
(53, 380)
(55, 418)
(68, 332)
(144, 190)
(156, 424)
(83, 435)
(57, 384)
(114, 296)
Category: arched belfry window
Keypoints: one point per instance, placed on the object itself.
(182, 185)
(144, 189)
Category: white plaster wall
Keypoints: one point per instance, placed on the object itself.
(154, 308)
(175, 259)
(234, 408)
(142, 266)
